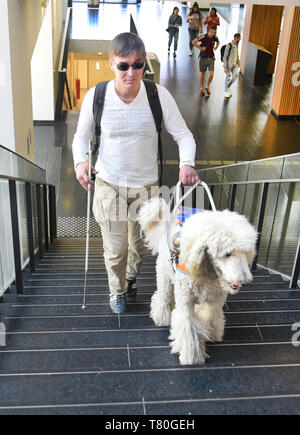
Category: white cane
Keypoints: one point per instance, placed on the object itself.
(87, 228)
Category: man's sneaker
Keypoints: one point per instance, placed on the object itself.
(227, 95)
(191, 53)
(118, 304)
(174, 54)
(131, 290)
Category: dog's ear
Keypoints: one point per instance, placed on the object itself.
(250, 255)
(207, 268)
(199, 263)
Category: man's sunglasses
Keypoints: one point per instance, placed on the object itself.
(122, 66)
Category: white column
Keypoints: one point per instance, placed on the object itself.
(42, 71)
(7, 134)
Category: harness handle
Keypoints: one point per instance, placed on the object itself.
(179, 199)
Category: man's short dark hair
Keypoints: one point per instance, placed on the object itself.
(125, 44)
(213, 28)
(236, 35)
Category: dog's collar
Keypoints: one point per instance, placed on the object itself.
(175, 252)
(175, 262)
(182, 268)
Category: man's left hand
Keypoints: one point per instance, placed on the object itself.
(188, 175)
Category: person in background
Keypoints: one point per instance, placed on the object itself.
(207, 44)
(231, 62)
(212, 19)
(194, 20)
(175, 21)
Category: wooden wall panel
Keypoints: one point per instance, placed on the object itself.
(286, 95)
(265, 29)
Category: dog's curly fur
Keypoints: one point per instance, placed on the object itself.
(216, 249)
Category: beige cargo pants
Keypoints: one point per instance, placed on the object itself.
(115, 209)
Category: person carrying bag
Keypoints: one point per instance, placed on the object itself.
(175, 21)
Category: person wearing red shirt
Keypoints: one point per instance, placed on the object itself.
(212, 19)
(207, 45)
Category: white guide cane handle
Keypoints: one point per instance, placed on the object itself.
(87, 226)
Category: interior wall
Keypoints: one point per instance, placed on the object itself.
(44, 63)
(25, 19)
(57, 24)
(42, 71)
(20, 24)
(7, 135)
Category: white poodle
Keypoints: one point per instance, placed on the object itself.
(215, 252)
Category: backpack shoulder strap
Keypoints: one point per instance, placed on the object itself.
(230, 47)
(98, 105)
(154, 102)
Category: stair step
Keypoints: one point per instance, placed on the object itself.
(232, 319)
(18, 310)
(135, 337)
(263, 305)
(93, 338)
(151, 357)
(49, 297)
(101, 273)
(129, 321)
(150, 385)
(76, 289)
(100, 308)
(263, 405)
(280, 405)
(67, 299)
(104, 409)
(142, 282)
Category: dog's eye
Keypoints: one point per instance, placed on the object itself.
(228, 254)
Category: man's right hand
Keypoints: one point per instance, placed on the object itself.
(225, 70)
(83, 177)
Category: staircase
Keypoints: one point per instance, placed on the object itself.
(59, 359)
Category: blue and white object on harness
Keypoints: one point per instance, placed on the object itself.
(183, 213)
(180, 215)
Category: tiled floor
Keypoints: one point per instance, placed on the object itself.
(236, 130)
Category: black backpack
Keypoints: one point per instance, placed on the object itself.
(223, 48)
(155, 106)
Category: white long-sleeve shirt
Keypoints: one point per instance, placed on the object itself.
(129, 140)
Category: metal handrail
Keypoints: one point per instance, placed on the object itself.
(61, 65)
(263, 199)
(250, 161)
(49, 215)
(21, 157)
(276, 181)
(62, 68)
(25, 180)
